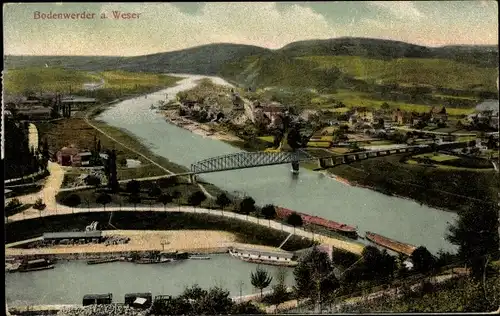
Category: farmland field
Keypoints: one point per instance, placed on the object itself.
(411, 71)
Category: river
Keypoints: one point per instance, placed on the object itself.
(310, 192)
(69, 281)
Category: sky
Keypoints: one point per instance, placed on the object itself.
(163, 27)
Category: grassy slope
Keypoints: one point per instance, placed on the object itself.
(411, 71)
(462, 295)
(58, 79)
(421, 183)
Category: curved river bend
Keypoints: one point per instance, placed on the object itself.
(311, 192)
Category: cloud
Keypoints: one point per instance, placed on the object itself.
(399, 9)
(164, 27)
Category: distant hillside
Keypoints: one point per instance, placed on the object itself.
(411, 71)
(486, 55)
(333, 63)
(207, 59)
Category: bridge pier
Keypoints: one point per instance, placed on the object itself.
(192, 178)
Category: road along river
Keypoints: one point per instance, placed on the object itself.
(310, 192)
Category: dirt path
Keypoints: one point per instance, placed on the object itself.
(48, 194)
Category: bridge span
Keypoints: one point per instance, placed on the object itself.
(244, 160)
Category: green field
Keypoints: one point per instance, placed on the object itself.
(18, 81)
(411, 71)
(438, 157)
(360, 99)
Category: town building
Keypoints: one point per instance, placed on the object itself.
(438, 115)
(35, 112)
(402, 117)
(364, 115)
(486, 111)
(68, 156)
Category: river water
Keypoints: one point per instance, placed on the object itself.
(69, 281)
(310, 192)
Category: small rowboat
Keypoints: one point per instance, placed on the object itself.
(199, 257)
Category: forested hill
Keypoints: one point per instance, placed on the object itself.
(341, 62)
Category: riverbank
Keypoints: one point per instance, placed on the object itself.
(141, 241)
(201, 129)
(427, 186)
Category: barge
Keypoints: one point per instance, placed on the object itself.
(264, 257)
(35, 265)
(344, 229)
(196, 257)
(153, 261)
(391, 244)
(99, 261)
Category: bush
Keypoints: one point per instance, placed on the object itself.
(39, 205)
(14, 203)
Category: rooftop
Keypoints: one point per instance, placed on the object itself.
(72, 235)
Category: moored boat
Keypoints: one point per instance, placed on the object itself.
(99, 261)
(195, 257)
(264, 257)
(391, 244)
(344, 229)
(147, 261)
(35, 265)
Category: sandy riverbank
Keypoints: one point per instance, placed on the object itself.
(147, 240)
(198, 128)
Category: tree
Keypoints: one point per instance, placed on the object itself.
(134, 199)
(216, 301)
(165, 199)
(103, 199)
(280, 293)
(155, 192)
(247, 205)
(423, 260)
(269, 212)
(260, 279)
(93, 181)
(176, 195)
(196, 198)
(111, 171)
(246, 308)
(39, 205)
(377, 264)
(476, 235)
(133, 187)
(295, 220)
(72, 200)
(314, 276)
(223, 201)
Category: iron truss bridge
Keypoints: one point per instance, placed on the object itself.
(244, 160)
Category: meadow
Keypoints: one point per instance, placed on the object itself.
(116, 83)
(411, 71)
